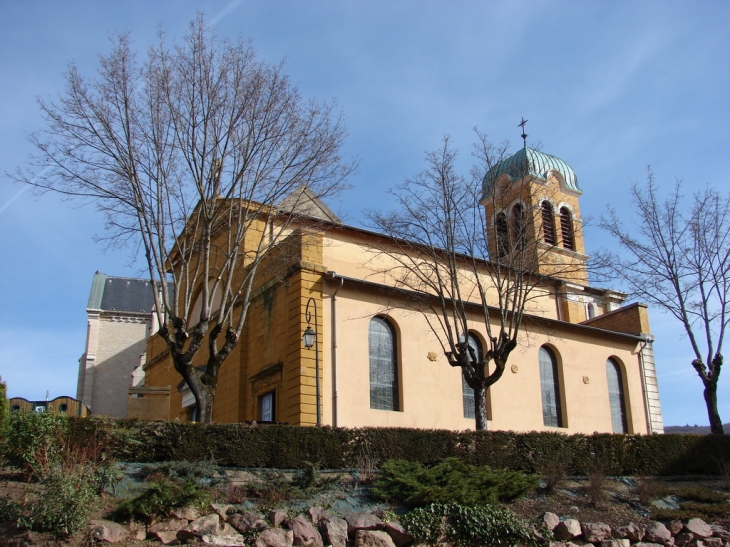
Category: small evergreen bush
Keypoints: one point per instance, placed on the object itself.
(160, 498)
(451, 481)
(464, 526)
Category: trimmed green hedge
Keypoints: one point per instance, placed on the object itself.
(288, 447)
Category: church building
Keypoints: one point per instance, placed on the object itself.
(583, 363)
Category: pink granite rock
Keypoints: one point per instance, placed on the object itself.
(595, 532)
(567, 530)
(362, 521)
(304, 532)
(373, 538)
(334, 531)
(111, 532)
(632, 532)
(275, 537)
(656, 532)
(699, 528)
(549, 520)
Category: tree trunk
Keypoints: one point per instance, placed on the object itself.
(480, 407)
(711, 401)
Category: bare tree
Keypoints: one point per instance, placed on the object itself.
(460, 268)
(677, 257)
(187, 154)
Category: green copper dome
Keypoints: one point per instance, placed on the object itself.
(528, 161)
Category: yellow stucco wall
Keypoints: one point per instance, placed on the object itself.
(270, 355)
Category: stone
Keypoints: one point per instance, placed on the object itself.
(684, 538)
(224, 541)
(140, 534)
(595, 532)
(632, 532)
(207, 525)
(275, 537)
(316, 514)
(248, 520)
(675, 527)
(645, 544)
(549, 520)
(567, 530)
(578, 542)
(334, 531)
(397, 533)
(111, 532)
(304, 532)
(714, 542)
(187, 513)
(221, 509)
(656, 532)
(362, 521)
(166, 537)
(699, 528)
(278, 517)
(372, 538)
(168, 525)
(719, 531)
(615, 543)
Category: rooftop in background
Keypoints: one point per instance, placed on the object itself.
(124, 294)
(528, 161)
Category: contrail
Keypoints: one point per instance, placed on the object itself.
(228, 9)
(12, 199)
(23, 189)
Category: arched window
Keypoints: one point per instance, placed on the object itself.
(616, 397)
(519, 227)
(566, 228)
(548, 223)
(502, 235)
(551, 412)
(383, 365)
(466, 391)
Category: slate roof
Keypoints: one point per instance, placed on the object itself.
(126, 294)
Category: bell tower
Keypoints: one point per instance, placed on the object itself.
(533, 215)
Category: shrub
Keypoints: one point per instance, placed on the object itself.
(199, 472)
(33, 436)
(464, 526)
(451, 481)
(159, 499)
(702, 494)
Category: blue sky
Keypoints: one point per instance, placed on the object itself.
(610, 87)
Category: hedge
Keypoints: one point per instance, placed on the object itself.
(289, 447)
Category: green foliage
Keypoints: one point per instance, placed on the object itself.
(702, 494)
(463, 526)
(289, 447)
(160, 498)
(198, 472)
(34, 437)
(451, 481)
(4, 410)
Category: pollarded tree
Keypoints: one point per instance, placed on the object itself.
(460, 257)
(188, 153)
(677, 257)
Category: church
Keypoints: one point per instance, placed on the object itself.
(331, 340)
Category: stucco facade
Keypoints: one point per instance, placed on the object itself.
(585, 330)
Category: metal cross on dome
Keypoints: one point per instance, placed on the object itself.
(522, 125)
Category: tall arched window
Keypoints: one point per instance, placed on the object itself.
(548, 223)
(466, 391)
(502, 235)
(383, 365)
(551, 412)
(566, 228)
(616, 397)
(519, 227)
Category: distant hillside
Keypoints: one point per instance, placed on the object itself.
(692, 429)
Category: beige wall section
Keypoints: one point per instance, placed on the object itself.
(113, 348)
(430, 391)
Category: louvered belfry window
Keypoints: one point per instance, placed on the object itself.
(502, 235)
(519, 227)
(566, 227)
(383, 365)
(466, 391)
(551, 408)
(616, 397)
(548, 223)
